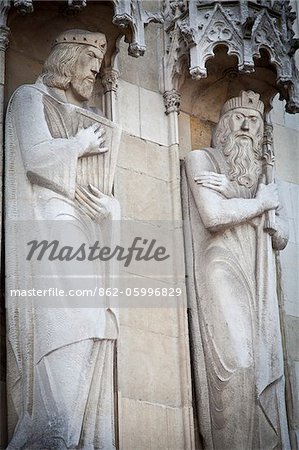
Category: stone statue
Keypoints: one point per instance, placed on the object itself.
(61, 360)
(236, 348)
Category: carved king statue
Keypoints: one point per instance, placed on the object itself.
(60, 359)
(236, 347)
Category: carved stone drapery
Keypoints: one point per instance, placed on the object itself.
(245, 28)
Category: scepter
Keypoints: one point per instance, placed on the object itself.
(268, 165)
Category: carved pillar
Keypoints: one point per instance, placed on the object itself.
(110, 84)
(172, 100)
(4, 34)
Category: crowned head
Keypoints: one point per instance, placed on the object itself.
(239, 135)
(75, 61)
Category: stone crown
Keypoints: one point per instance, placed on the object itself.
(246, 99)
(94, 39)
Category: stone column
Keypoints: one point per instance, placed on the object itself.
(4, 33)
(172, 101)
(110, 84)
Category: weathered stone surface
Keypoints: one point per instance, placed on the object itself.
(287, 160)
(227, 212)
(145, 157)
(154, 427)
(59, 172)
(163, 320)
(153, 126)
(184, 134)
(129, 107)
(142, 354)
(292, 332)
(290, 260)
(143, 73)
(278, 113)
(149, 203)
(201, 133)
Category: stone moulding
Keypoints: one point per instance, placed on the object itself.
(131, 14)
(195, 28)
(244, 27)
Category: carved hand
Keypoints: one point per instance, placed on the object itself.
(267, 194)
(91, 139)
(218, 182)
(94, 203)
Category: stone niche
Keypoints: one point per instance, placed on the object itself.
(31, 37)
(202, 100)
(154, 382)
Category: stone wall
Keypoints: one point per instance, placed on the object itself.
(154, 367)
(195, 129)
(286, 139)
(154, 383)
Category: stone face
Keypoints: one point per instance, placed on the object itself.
(230, 286)
(59, 172)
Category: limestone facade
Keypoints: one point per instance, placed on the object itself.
(154, 371)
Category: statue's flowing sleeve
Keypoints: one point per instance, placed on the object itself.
(49, 162)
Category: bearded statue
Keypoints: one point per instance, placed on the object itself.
(236, 348)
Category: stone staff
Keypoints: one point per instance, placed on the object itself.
(269, 160)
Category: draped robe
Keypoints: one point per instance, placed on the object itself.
(61, 361)
(236, 349)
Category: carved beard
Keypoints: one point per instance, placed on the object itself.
(243, 157)
(82, 88)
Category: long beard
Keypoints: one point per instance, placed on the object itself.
(243, 157)
(82, 88)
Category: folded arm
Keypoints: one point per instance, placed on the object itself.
(218, 212)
